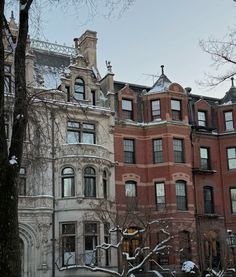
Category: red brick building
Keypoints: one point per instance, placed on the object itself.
(175, 156)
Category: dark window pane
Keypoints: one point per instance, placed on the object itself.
(181, 196)
(208, 200)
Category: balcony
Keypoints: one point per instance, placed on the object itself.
(85, 150)
(41, 202)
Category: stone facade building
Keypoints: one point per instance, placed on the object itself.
(67, 173)
(97, 145)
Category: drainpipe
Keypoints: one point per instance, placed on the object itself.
(197, 221)
(53, 191)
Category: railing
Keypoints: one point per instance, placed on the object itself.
(53, 47)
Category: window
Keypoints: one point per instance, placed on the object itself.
(127, 109)
(79, 89)
(130, 189)
(208, 200)
(89, 182)
(229, 124)
(90, 243)
(157, 151)
(185, 246)
(22, 182)
(131, 243)
(178, 150)
(104, 183)
(7, 79)
(107, 240)
(202, 118)
(163, 257)
(7, 122)
(160, 196)
(204, 158)
(68, 182)
(156, 111)
(93, 94)
(231, 156)
(67, 88)
(68, 243)
(129, 153)
(181, 196)
(176, 109)
(78, 132)
(233, 199)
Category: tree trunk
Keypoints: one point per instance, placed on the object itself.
(10, 258)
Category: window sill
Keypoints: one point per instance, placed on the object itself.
(203, 171)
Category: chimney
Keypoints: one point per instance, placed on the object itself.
(88, 46)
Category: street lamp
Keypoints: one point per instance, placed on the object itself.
(231, 241)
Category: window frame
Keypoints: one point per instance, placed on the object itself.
(90, 183)
(233, 159)
(105, 183)
(79, 85)
(156, 112)
(205, 162)
(202, 121)
(229, 123)
(181, 195)
(130, 192)
(65, 236)
(127, 113)
(22, 181)
(107, 240)
(129, 150)
(232, 201)
(209, 207)
(80, 132)
(157, 145)
(176, 112)
(179, 155)
(95, 240)
(160, 204)
(68, 176)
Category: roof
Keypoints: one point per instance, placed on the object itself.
(230, 96)
(162, 84)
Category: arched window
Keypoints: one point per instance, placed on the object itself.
(68, 184)
(208, 200)
(105, 184)
(89, 182)
(79, 89)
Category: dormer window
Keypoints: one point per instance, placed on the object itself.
(79, 89)
(202, 118)
(127, 109)
(176, 109)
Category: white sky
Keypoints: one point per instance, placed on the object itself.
(151, 33)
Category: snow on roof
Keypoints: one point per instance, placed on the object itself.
(161, 85)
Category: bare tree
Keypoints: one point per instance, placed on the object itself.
(11, 155)
(223, 55)
(133, 256)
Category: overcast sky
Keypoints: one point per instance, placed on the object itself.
(151, 33)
